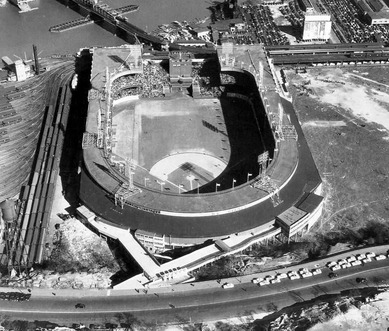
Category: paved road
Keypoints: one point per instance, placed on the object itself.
(159, 306)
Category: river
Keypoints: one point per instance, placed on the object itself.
(19, 31)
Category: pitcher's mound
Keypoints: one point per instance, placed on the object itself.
(190, 169)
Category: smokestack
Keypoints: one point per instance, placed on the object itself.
(37, 68)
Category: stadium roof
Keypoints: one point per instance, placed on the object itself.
(291, 216)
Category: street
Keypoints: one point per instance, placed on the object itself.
(159, 306)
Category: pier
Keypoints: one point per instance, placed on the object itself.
(23, 5)
(71, 25)
(113, 21)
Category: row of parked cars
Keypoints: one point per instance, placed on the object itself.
(348, 262)
(356, 260)
(292, 275)
(15, 296)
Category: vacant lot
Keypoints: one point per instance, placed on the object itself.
(345, 117)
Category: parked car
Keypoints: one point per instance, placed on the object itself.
(355, 263)
(228, 285)
(275, 280)
(306, 274)
(346, 265)
(294, 276)
(257, 280)
(316, 271)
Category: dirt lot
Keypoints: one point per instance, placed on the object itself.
(345, 118)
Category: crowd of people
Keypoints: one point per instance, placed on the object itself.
(206, 89)
(149, 84)
(209, 85)
(262, 25)
(226, 79)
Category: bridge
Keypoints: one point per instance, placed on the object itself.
(113, 21)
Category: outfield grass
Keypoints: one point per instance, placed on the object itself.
(148, 131)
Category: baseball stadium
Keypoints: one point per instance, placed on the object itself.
(182, 148)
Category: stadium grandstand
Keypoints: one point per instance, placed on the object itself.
(178, 161)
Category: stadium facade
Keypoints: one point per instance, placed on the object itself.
(214, 151)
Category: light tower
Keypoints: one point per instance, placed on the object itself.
(130, 165)
(262, 162)
(127, 188)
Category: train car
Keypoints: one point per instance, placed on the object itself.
(30, 233)
(40, 245)
(33, 247)
(25, 190)
(5, 105)
(50, 190)
(53, 176)
(44, 190)
(45, 220)
(10, 121)
(9, 113)
(35, 178)
(4, 140)
(16, 95)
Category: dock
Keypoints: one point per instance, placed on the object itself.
(23, 5)
(71, 25)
